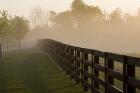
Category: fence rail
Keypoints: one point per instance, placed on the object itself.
(95, 70)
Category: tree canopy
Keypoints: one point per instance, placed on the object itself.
(12, 28)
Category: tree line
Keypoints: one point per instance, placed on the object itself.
(12, 29)
(85, 17)
(81, 17)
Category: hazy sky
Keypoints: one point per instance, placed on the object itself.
(23, 7)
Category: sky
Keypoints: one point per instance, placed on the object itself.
(23, 7)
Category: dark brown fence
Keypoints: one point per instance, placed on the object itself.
(96, 71)
(0, 51)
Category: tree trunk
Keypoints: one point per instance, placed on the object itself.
(19, 44)
(7, 45)
(2, 46)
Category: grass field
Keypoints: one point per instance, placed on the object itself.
(30, 71)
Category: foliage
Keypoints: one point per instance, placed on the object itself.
(79, 17)
(12, 28)
(4, 24)
(39, 18)
(20, 27)
(115, 16)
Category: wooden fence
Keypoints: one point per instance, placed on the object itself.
(95, 70)
(0, 51)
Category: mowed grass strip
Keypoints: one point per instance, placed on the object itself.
(30, 71)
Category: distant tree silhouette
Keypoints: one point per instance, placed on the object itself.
(39, 18)
(20, 27)
(116, 16)
(138, 13)
(12, 28)
(4, 26)
(78, 5)
(79, 17)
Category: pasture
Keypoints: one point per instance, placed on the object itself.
(30, 71)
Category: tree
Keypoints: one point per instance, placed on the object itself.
(79, 17)
(38, 18)
(20, 27)
(4, 26)
(52, 16)
(78, 5)
(138, 12)
(116, 16)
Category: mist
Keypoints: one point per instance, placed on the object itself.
(92, 28)
(84, 26)
(105, 59)
(121, 40)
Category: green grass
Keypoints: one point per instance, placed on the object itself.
(30, 71)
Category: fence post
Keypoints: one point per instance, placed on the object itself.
(96, 72)
(71, 63)
(57, 53)
(75, 65)
(125, 74)
(54, 50)
(92, 80)
(110, 65)
(60, 56)
(82, 79)
(67, 61)
(78, 67)
(85, 70)
(64, 57)
(0, 51)
(106, 75)
(130, 73)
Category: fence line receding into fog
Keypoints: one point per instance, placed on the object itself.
(96, 71)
